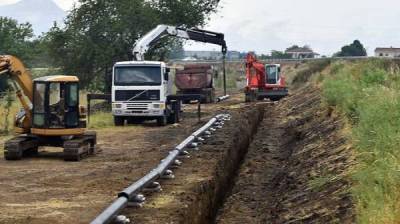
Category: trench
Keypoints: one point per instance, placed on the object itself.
(291, 167)
(210, 195)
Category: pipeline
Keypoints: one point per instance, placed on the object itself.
(222, 98)
(131, 195)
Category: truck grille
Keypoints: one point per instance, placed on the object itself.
(138, 106)
(125, 95)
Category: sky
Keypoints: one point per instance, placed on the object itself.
(64, 4)
(265, 25)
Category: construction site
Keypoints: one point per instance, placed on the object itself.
(109, 120)
(258, 168)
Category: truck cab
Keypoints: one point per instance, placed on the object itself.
(140, 91)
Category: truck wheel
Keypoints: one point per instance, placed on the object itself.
(119, 121)
(162, 121)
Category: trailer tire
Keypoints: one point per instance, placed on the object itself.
(119, 121)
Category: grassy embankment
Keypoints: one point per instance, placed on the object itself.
(368, 94)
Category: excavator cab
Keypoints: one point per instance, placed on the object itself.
(56, 103)
(56, 106)
(273, 73)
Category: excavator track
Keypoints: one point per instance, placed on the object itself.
(15, 148)
(80, 147)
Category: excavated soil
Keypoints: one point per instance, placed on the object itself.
(296, 169)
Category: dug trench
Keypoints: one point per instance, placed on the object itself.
(286, 162)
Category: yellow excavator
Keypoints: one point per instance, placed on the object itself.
(50, 114)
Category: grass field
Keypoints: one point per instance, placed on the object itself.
(368, 94)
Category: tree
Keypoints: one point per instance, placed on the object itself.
(99, 33)
(354, 49)
(14, 37)
(279, 55)
(14, 40)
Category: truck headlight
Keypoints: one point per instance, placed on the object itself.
(159, 106)
(117, 105)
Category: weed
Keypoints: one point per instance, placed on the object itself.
(368, 94)
(101, 120)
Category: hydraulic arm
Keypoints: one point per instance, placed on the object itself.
(255, 71)
(23, 85)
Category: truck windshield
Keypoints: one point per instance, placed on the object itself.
(137, 75)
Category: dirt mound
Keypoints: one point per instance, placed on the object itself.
(296, 168)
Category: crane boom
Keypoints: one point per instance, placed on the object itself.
(148, 40)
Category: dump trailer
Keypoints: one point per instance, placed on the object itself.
(196, 79)
(50, 114)
(264, 81)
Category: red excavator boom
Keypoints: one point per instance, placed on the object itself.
(264, 80)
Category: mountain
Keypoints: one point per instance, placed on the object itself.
(40, 13)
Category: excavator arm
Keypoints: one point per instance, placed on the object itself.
(255, 71)
(23, 85)
(161, 31)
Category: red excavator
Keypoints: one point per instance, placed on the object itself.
(264, 81)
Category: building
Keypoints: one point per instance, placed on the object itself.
(389, 52)
(301, 52)
(211, 55)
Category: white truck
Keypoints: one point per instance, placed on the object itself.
(142, 90)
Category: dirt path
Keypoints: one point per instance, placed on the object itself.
(296, 168)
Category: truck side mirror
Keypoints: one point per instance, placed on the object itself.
(279, 69)
(166, 74)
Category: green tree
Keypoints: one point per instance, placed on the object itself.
(99, 33)
(279, 55)
(14, 37)
(14, 40)
(354, 49)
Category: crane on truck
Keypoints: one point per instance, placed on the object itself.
(264, 81)
(50, 115)
(142, 90)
